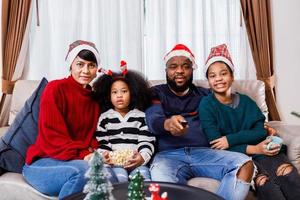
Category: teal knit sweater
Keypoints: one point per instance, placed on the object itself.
(242, 125)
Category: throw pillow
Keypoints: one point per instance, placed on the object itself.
(22, 133)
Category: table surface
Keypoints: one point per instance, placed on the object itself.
(175, 192)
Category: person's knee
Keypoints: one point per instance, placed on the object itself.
(284, 169)
(79, 172)
(261, 180)
(164, 173)
(246, 171)
(81, 168)
(145, 172)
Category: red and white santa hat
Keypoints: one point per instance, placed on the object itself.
(219, 53)
(78, 46)
(181, 50)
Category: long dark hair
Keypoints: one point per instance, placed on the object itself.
(140, 93)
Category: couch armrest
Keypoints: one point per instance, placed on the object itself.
(3, 130)
(291, 137)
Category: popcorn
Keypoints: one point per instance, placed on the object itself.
(120, 157)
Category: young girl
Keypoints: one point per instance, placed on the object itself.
(124, 140)
(233, 121)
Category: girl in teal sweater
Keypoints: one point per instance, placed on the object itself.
(233, 121)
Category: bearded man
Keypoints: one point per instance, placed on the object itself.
(183, 150)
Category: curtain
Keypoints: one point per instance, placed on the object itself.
(257, 16)
(14, 49)
(200, 25)
(115, 26)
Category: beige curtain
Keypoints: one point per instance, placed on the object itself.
(14, 22)
(257, 16)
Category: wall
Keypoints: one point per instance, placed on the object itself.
(286, 37)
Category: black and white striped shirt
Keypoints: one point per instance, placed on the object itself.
(115, 132)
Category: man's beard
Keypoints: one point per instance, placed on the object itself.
(172, 84)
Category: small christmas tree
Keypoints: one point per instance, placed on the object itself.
(136, 187)
(98, 187)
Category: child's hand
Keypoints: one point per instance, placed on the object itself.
(136, 161)
(106, 158)
(270, 130)
(261, 148)
(220, 143)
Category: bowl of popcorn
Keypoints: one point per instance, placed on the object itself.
(120, 157)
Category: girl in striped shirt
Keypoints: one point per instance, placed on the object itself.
(123, 136)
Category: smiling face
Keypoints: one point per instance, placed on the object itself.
(179, 73)
(83, 71)
(120, 96)
(220, 78)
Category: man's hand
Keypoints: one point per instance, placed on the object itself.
(174, 126)
(220, 143)
(136, 161)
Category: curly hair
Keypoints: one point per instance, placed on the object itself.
(140, 93)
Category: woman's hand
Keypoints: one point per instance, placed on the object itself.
(220, 143)
(136, 161)
(88, 157)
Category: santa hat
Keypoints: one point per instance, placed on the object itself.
(78, 46)
(219, 53)
(181, 50)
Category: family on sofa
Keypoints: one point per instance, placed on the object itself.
(69, 115)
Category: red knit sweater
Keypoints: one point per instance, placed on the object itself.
(67, 122)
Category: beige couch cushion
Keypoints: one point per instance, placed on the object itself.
(3, 130)
(14, 187)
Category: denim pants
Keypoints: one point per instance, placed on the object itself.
(180, 165)
(56, 178)
(120, 175)
(277, 187)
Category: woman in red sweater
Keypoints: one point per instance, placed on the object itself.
(55, 164)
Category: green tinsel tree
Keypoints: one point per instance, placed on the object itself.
(136, 187)
(98, 187)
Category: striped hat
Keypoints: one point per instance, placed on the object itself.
(219, 53)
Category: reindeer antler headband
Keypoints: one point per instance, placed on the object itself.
(123, 66)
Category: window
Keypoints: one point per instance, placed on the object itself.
(138, 31)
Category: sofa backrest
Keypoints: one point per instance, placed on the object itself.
(253, 88)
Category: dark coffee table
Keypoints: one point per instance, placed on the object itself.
(175, 192)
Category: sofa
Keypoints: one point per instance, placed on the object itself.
(14, 187)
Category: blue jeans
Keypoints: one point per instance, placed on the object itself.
(180, 165)
(120, 175)
(56, 178)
